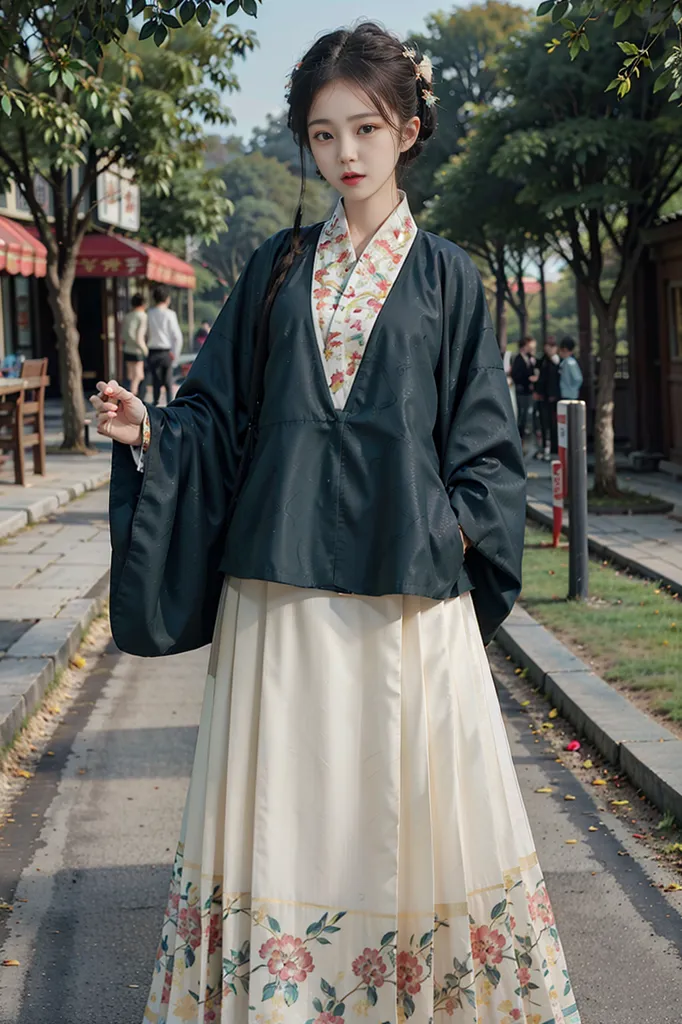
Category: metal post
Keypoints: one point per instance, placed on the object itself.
(578, 566)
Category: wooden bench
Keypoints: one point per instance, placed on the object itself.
(22, 406)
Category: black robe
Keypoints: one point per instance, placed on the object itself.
(364, 500)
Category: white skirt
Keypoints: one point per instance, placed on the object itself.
(354, 844)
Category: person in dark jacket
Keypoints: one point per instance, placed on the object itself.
(548, 393)
(523, 374)
(336, 501)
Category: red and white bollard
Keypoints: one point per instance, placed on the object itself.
(562, 437)
(557, 501)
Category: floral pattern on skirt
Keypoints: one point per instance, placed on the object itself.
(234, 955)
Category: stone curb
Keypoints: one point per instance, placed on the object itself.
(47, 503)
(535, 510)
(649, 754)
(32, 663)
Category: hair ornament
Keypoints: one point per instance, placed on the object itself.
(425, 70)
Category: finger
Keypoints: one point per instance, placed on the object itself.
(114, 391)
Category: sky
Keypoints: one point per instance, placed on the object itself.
(286, 28)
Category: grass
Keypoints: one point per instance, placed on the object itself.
(624, 500)
(630, 629)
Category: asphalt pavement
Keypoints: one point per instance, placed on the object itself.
(93, 836)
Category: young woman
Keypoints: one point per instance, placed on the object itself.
(354, 843)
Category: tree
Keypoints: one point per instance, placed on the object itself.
(463, 45)
(477, 208)
(599, 169)
(195, 207)
(656, 23)
(142, 106)
(265, 195)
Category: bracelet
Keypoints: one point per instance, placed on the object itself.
(146, 432)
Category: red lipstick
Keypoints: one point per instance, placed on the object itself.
(352, 179)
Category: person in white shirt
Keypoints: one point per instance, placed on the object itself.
(164, 341)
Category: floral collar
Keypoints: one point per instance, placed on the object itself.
(348, 292)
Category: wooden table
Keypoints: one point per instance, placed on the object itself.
(12, 390)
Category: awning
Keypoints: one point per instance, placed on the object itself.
(115, 256)
(20, 252)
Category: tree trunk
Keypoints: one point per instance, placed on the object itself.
(543, 303)
(500, 310)
(605, 479)
(59, 289)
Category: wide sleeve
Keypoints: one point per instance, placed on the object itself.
(482, 461)
(168, 523)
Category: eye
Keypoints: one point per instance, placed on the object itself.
(368, 129)
(322, 136)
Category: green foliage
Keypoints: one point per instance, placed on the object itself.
(195, 206)
(465, 46)
(265, 195)
(652, 23)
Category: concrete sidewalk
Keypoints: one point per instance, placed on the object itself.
(68, 476)
(650, 545)
(53, 582)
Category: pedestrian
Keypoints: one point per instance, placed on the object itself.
(201, 334)
(134, 335)
(523, 375)
(165, 343)
(354, 839)
(548, 393)
(570, 374)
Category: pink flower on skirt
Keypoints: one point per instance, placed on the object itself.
(408, 972)
(287, 958)
(450, 1007)
(540, 907)
(487, 945)
(371, 967)
(328, 1018)
(214, 933)
(189, 926)
(524, 976)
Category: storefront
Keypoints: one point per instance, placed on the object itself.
(22, 263)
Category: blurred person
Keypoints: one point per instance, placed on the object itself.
(164, 343)
(570, 374)
(523, 374)
(548, 393)
(134, 335)
(201, 334)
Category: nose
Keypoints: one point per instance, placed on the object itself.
(347, 148)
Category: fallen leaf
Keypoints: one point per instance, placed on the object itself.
(5, 906)
(133, 986)
(593, 828)
(569, 797)
(573, 745)
(570, 842)
(78, 661)
(525, 703)
(50, 753)
(598, 782)
(21, 773)
(673, 887)
(638, 835)
(547, 725)
(553, 713)
(544, 789)
(587, 764)
(11, 963)
(620, 803)
(623, 853)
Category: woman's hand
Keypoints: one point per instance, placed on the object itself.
(119, 413)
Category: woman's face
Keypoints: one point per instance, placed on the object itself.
(355, 150)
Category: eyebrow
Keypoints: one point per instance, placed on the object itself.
(355, 117)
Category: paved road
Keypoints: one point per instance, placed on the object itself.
(95, 877)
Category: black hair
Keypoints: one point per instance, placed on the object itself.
(160, 294)
(526, 340)
(137, 300)
(383, 67)
(567, 343)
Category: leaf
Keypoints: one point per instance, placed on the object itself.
(388, 937)
(160, 34)
(620, 803)
(11, 963)
(232, 8)
(587, 764)
(629, 48)
(21, 773)
(317, 1005)
(274, 924)
(592, 828)
(569, 796)
(94, 100)
(250, 7)
(269, 991)
(138, 7)
(622, 15)
(328, 989)
(570, 842)
(544, 8)
(148, 28)
(170, 20)
(118, 119)
(544, 789)
(408, 1005)
(290, 993)
(553, 713)
(598, 782)
(559, 10)
(339, 1009)
(203, 13)
(187, 9)
(498, 909)
(663, 80)
(372, 995)
(54, 75)
(122, 24)
(322, 941)
(677, 14)
(6, 104)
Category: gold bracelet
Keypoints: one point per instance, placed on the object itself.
(146, 432)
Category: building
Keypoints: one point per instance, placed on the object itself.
(111, 267)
